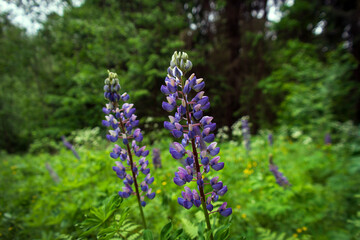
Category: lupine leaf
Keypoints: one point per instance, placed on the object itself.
(147, 235)
(165, 231)
(189, 228)
(176, 234)
(223, 232)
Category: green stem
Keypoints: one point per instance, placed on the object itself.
(197, 166)
(134, 176)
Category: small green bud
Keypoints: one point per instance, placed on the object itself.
(184, 56)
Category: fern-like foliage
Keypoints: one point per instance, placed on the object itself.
(110, 221)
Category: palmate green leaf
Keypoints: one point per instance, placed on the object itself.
(107, 233)
(189, 228)
(100, 216)
(129, 230)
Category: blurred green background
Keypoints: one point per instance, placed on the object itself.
(291, 66)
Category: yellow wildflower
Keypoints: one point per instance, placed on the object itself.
(243, 215)
(238, 206)
(299, 230)
(163, 183)
(158, 191)
(304, 228)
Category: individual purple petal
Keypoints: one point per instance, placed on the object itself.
(176, 133)
(214, 151)
(217, 186)
(167, 107)
(206, 106)
(203, 100)
(198, 115)
(165, 90)
(199, 87)
(205, 161)
(187, 204)
(181, 201)
(114, 155)
(105, 123)
(226, 212)
(175, 154)
(222, 191)
(218, 166)
(209, 138)
(197, 203)
(145, 153)
(168, 125)
(179, 181)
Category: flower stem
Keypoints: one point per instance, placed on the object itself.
(197, 166)
(134, 176)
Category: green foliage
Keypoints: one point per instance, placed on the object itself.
(109, 221)
(313, 91)
(321, 202)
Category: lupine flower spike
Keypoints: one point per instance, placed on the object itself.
(280, 178)
(156, 158)
(327, 139)
(70, 146)
(270, 139)
(245, 128)
(122, 121)
(191, 127)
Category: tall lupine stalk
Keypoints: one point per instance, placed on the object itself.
(194, 129)
(327, 139)
(123, 121)
(70, 147)
(270, 139)
(279, 176)
(245, 128)
(156, 158)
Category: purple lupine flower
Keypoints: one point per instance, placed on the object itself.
(327, 139)
(122, 121)
(156, 158)
(192, 127)
(280, 178)
(70, 147)
(270, 139)
(245, 128)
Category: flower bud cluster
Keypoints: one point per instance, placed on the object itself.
(122, 122)
(191, 127)
(180, 59)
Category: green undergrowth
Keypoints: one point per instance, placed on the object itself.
(48, 196)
